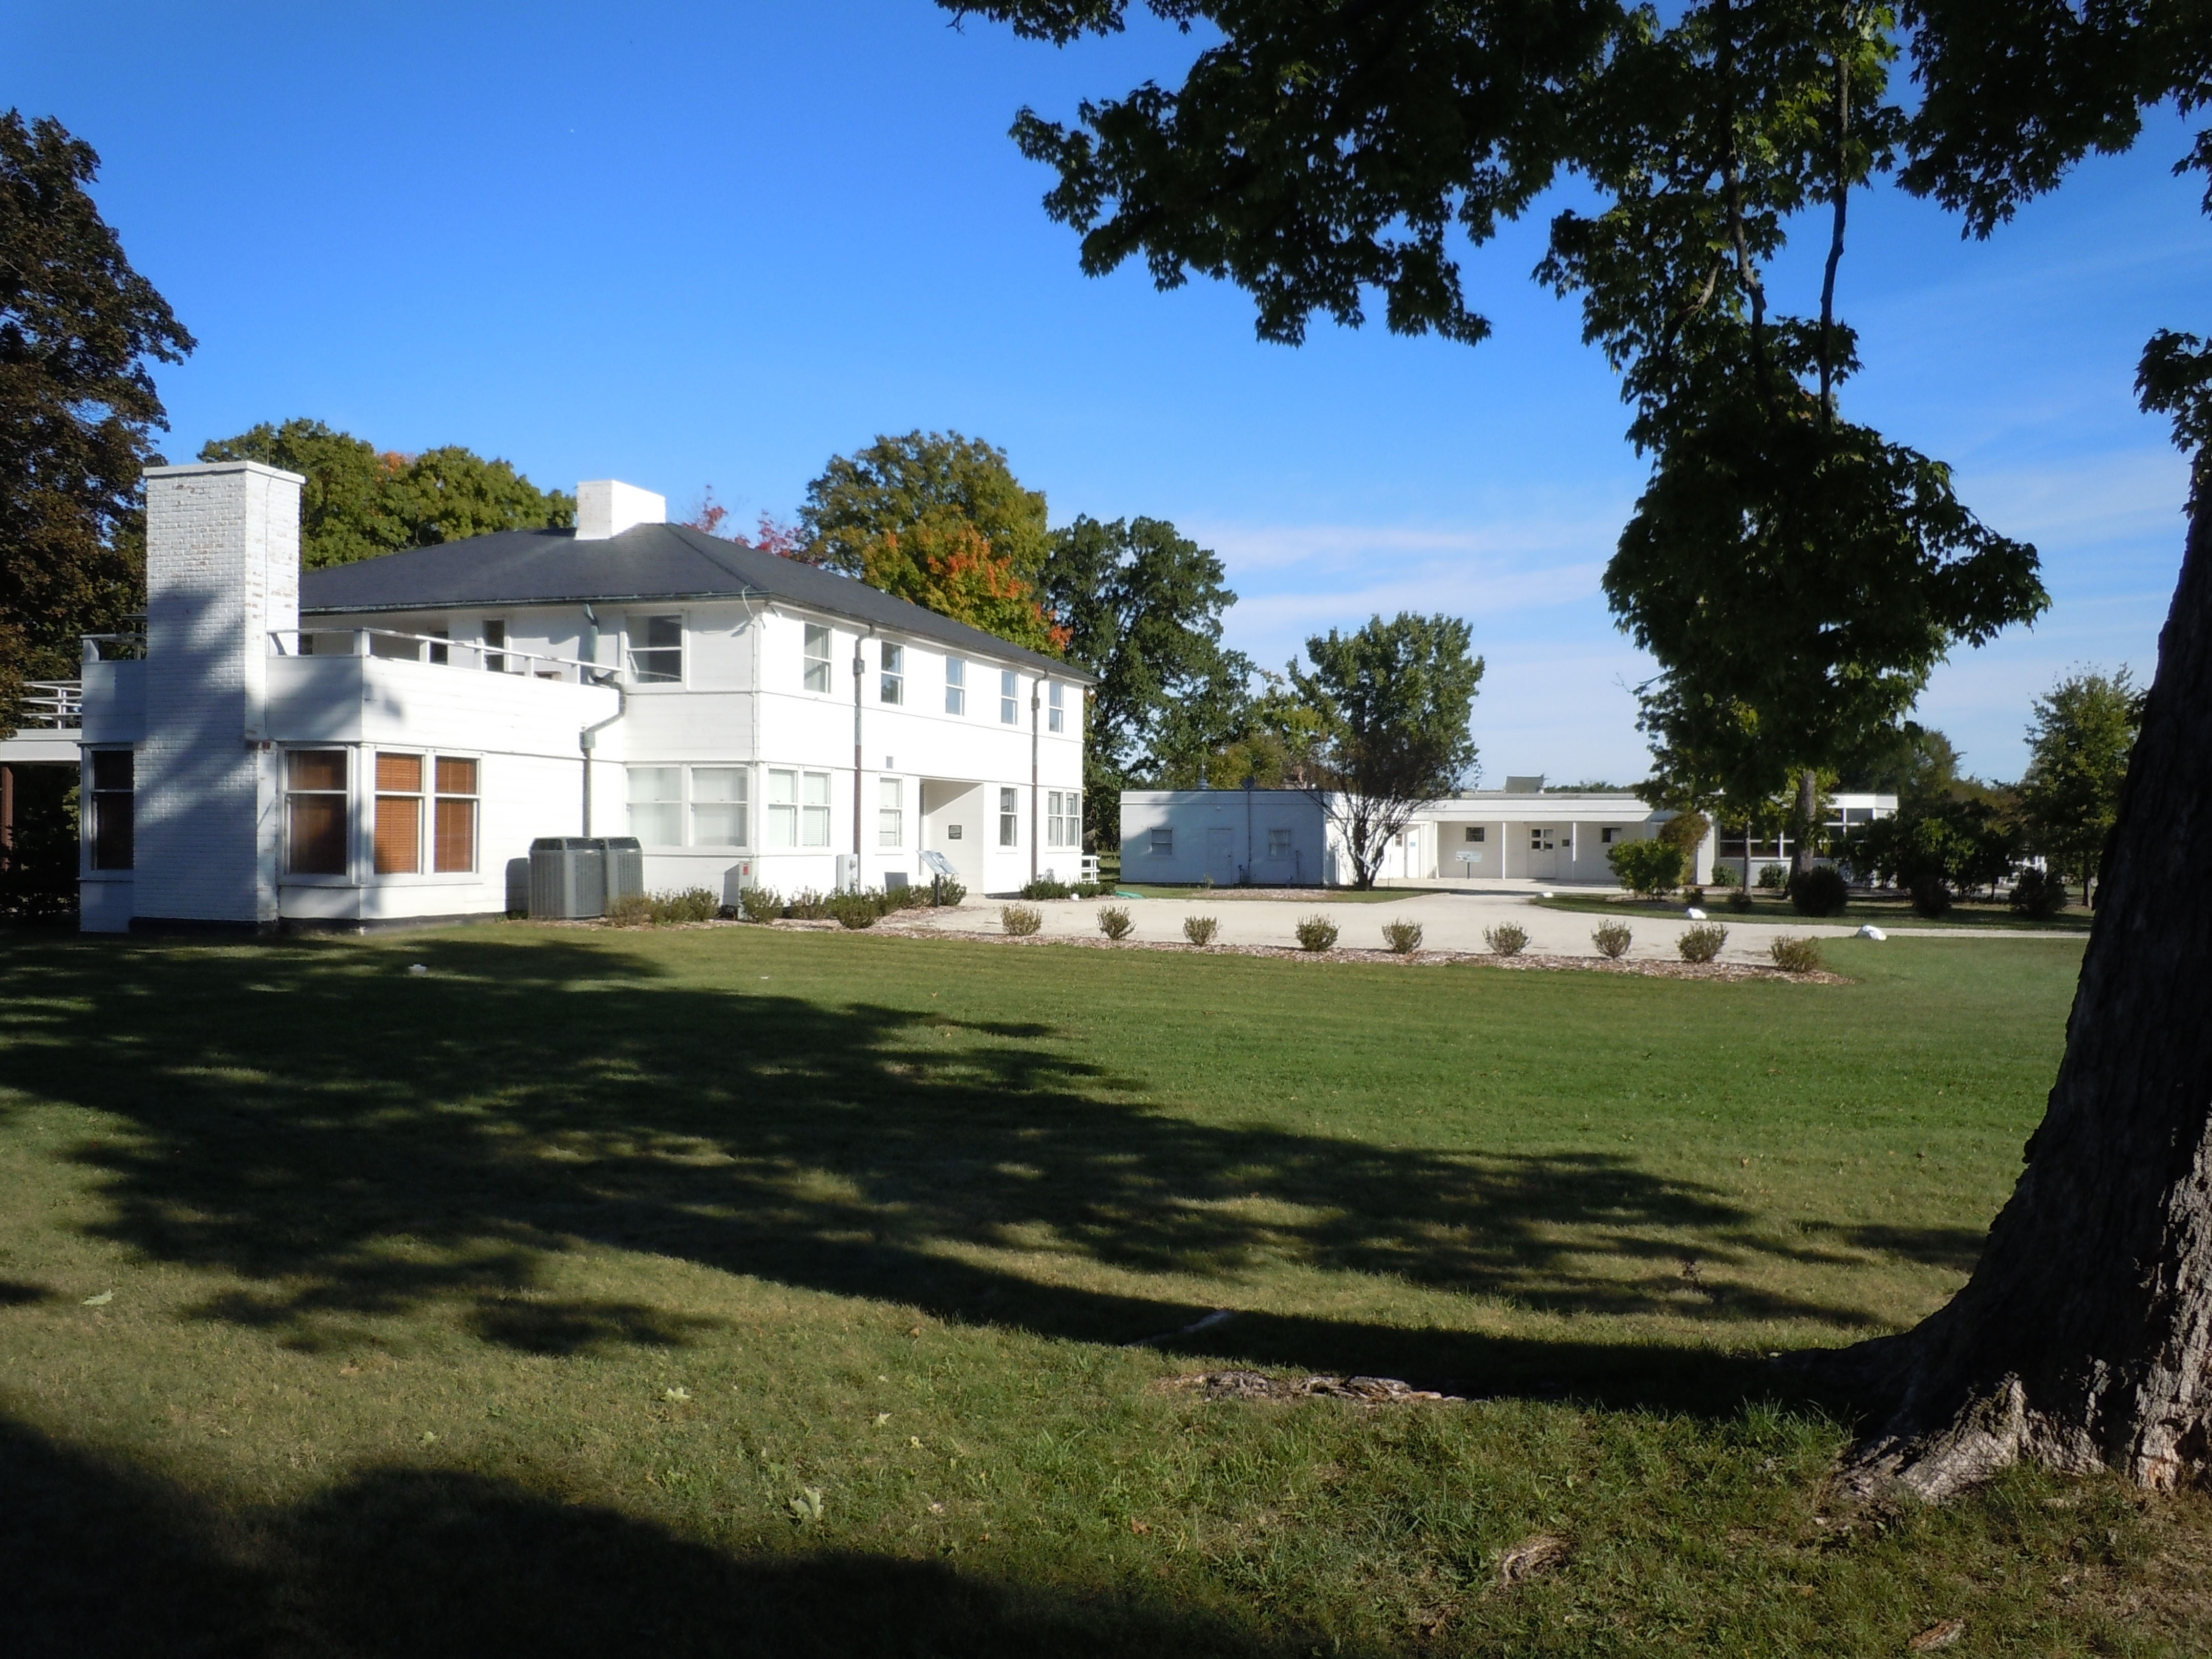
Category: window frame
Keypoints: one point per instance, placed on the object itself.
(1009, 697)
(890, 682)
(807, 808)
(742, 801)
(343, 794)
(673, 804)
(955, 685)
(440, 798)
(406, 803)
(100, 832)
(493, 649)
(1281, 844)
(1056, 709)
(1163, 841)
(890, 812)
(813, 668)
(1010, 816)
(638, 645)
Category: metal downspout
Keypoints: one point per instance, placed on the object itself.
(1037, 703)
(859, 673)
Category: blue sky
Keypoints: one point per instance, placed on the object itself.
(688, 245)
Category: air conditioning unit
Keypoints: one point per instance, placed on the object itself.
(568, 878)
(625, 866)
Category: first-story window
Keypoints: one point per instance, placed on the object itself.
(1063, 821)
(1009, 697)
(891, 813)
(718, 806)
(1607, 836)
(656, 805)
(656, 650)
(112, 829)
(893, 687)
(1163, 843)
(453, 837)
(1055, 712)
(1009, 817)
(398, 814)
(817, 654)
(956, 686)
(315, 812)
(1278, 844)
(798, 808)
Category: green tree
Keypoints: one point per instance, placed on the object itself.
(2078, 744)
(1140, 606)
(79, 328)
(1393, 700)
(933, 477)
(360, 502)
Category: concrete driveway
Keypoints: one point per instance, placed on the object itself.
(1449, 921)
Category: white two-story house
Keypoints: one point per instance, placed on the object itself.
(378, 741)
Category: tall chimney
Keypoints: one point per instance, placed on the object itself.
(605, 507)
(223, 570)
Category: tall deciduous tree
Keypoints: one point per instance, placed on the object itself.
(360, 502)
(2078, 746)
(1141, 608)
(78, 329)
(1393, 700)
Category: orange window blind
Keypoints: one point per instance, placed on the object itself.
(399, 774)
(398, 814)
(456, 777)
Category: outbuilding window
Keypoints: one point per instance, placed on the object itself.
(1476, 834)
(1009, 817)
(1278, 844)
(113, 826)
(315, 817)
(1606, 837)
(1163, 843)
(817, 649)
(956, 686)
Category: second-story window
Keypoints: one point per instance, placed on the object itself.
(956, 686)
(656, 650)
(1055, 711)
(817, 657)
(1009, 697)
(893, 688)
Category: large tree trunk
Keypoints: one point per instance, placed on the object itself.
(2084, 1339)
(1805, 822)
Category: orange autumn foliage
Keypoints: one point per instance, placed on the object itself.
(948, 565)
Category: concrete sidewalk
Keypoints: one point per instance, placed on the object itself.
(1449, 921)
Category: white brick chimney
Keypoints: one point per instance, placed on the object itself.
(605, 507)
(223, 570)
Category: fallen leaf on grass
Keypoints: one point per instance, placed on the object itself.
(1524, 1561)
(100, 1301)
(349, 1369)
(1138, 1526)
(429, 1438)
(807, 1506)
(1938, 1636)
(678, 1394)
(882, 1417)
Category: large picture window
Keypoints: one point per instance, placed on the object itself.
(454, 837)
(113, 827)
(890, 812)
(718, 806)
(656, 805)
(398, 815)
(315, 818)
(656, 650)
(817, 657)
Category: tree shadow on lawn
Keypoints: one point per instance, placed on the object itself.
(354, 1140)
(99, 1560)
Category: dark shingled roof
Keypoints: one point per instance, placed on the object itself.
(648, 561)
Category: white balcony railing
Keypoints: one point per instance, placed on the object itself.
(53, 705)
(390, 645)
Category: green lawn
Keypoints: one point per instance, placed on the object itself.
(1766, 906)
(730, 1291)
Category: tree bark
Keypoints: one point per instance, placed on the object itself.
(1805, 823)
(2084, 1339)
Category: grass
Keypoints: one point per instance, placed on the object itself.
(1767, 905)
(734, 1290)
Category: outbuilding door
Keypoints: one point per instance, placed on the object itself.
(1543, 851)
(1221, 855)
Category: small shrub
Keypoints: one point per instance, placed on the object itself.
(760, 903)
(1739, 899)
(1020, 920)
(1818, 891)
(1795, 956)
(1701, 943)
(1200, 930)
(948, 891)
(1726, 875)
(1404, 938)
(1774, 876)
(808, 905)
(1693, 895)
(1649, 867)
(1044, 887)
(1612, 939)
(2037, 893)
(909, 897)
(1930, 897)
(856, 910)
(1317, 933)
(692, 904)
(1507, 939)
(1113, 921)
(631, 910)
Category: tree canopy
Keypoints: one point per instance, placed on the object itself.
(1394, 699)
(360, 502)
(2079, 742)
(79, 330)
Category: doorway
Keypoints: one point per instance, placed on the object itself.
(1221, 855)
(1543, 851)
(952, 824)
